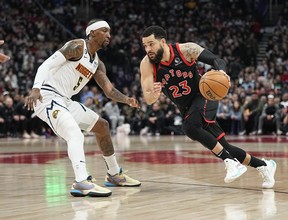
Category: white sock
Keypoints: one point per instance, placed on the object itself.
(77, 157)
(80, 171)
(112, 165)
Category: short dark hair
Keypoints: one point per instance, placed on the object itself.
(158, 32)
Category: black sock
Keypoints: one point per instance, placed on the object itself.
(255, 162)
(224, 154)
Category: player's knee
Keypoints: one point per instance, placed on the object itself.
(68, 128)
(101, 127)
(191, 130)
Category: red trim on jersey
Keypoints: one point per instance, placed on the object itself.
(182, 56)
(171, 57)
(220, 136)
(186, 117)
(154, 74)
(208, 121)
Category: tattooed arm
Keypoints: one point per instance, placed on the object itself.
(73, 50)
(109, 90)
(191, 51)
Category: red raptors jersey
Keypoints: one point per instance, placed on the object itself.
(179, 78)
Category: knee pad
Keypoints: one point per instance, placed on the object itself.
(191, 131)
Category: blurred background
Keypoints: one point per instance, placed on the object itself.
(250, 35)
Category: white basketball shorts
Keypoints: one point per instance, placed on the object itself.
(53, 105)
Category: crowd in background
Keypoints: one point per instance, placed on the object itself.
(257, 102)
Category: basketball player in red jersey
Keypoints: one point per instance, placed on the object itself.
(3, 57)
(60, 77)
(171, 69)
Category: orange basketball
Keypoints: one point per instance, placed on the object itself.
(214, 85)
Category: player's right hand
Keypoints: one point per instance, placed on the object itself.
(32, 99)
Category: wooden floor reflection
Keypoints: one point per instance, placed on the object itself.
(180, 180)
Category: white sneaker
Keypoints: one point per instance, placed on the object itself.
(89, 188)
(242, 133)
(234, 170)
(34, 135)
(26, 135)
(279, 132)
(267, 173)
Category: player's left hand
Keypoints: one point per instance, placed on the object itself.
(133, 102)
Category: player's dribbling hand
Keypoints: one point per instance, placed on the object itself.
(132, 102)
(228, 77)
(32, 99)
(155, 91)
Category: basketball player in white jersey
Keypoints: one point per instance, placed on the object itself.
(60, 77)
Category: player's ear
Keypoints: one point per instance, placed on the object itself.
(92, 33)
(163, 40)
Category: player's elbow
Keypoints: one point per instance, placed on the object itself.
(220, 64)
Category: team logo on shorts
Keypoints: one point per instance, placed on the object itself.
(55, 113)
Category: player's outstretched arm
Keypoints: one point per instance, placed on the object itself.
(109, 90)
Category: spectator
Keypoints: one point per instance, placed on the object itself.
(85, 93)
(112, 111)
(156, 118)
(269, 120)
(251, 113)
(284, 114)
(11, 120)
(3, 57)
(223, 114)
(236, 117)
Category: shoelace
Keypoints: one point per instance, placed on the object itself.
(91, 179)
(121, 173)
(229, 167)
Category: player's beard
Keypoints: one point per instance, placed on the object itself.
(158, 56)
(104, 46)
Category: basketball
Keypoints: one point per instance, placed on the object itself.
(214, 85)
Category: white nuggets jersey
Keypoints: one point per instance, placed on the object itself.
(72, 76)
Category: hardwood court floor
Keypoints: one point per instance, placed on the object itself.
(180, 180)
